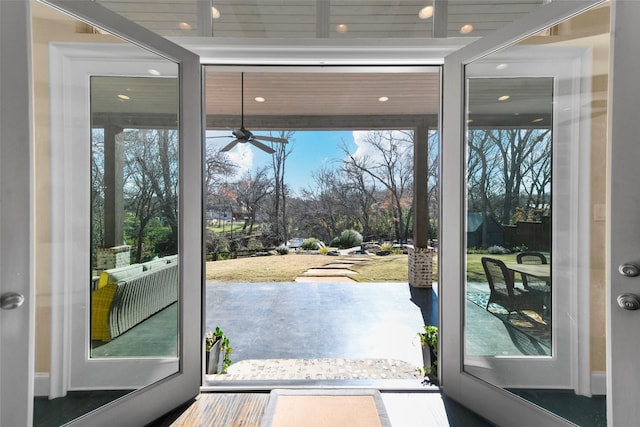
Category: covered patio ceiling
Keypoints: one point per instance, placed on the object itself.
(322, 19)
(312, 99)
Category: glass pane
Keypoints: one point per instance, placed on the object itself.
(536, 138)
(134, 211)
(105, 173)
(354, 19)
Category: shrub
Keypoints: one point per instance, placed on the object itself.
(386, 246)
(310, 244)
(347, 239)
(324, 250)
(519, 248)
(254, 244)
(496, 249)
(282, 250)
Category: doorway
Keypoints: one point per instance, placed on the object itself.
(314, 215)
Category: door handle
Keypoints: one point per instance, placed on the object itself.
(629, 301)
(629, 270)
(11, 300)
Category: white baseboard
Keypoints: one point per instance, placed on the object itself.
(41, 385)
(598, 383)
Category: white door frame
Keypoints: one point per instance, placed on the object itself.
(72, 368)
(568, 367)
(492, 402)
(16, 219)
(145, 405)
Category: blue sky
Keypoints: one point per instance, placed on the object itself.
(312, 149)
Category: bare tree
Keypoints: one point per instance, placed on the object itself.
(363, 189)
(390, 164)
(218, 169)
(278, 164)
(250, 191)
(151, 179)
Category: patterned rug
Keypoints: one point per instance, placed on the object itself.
(530, 332)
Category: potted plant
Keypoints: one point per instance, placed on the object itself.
(216, 343)
(429, 343)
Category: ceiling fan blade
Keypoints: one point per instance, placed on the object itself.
(230, 145)
(261, 146)
(211, 137)
(271, 138)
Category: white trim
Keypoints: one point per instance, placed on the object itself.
(571, 158)
(41, 385)
(322, 52)
(599, 383)
(71, 366)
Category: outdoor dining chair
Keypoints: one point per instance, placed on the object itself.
(504, 292)
(532, 282)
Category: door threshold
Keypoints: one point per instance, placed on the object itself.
(412, 386)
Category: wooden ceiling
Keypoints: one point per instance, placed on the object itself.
(335, 19)
(319, 99)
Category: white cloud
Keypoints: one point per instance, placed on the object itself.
(241, 155)
(364, 149)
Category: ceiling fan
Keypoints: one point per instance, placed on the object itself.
(243, 135)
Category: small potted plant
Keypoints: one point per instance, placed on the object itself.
(216, 343)
(429, 343)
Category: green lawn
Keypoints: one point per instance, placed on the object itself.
(475, 272)
(287, 268)
(226, 228)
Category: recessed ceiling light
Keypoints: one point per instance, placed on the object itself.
(184, 26)
(469, 120)
(426, 12)
(215, 13)
(466, 29)
(342, 28)
(538, 120)
(123, 97)
(502, 66)
(153, 72)
(504, 98)
(516, 114)
(383, 99)
(259, 99)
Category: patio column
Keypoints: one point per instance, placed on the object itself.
(421, 255)
(113, 191)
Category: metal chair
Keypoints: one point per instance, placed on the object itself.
(504, 292)
(528, 282)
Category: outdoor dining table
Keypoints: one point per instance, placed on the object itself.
(540, 271)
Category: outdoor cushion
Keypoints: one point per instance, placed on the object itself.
(116, 275)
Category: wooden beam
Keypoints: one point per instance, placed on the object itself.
(420, 187)
(113, 181)
(321, 122)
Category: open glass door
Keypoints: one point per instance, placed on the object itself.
(117, 132)
(524, 217)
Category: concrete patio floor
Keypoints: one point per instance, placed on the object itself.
(322, 320)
